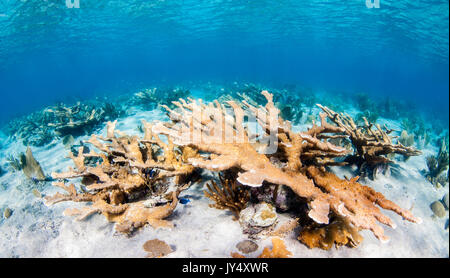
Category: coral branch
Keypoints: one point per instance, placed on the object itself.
(133, 172)
(220, 134)
(371, 142)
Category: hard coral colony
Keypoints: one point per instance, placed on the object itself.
(130, 181)
(136, 181)
(306, 154)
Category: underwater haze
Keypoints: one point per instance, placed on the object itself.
(49, 52)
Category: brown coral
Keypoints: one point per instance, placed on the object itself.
(278, 250)
(339, 232)
(130, 180)
(68, 120)
(372, 143)
(230, 195)
(222, 135)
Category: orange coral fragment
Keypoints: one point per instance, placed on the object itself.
(278, 250)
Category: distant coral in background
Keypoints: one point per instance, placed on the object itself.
(40, 128)
(151, 98)
(305, 154)
(277, 251)
(438, 164)
(136, 183)
(363, 101)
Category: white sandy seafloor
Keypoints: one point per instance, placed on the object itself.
(34, 230)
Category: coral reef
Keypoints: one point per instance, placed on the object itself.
(406, 139)
(446, 201)
(41, 127)
(225, 143)
(339, 232)
(372, 143)
(131, 181)
(36, 193)
(229, 195)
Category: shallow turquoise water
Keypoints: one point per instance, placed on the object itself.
(49, 52)
(305, 52)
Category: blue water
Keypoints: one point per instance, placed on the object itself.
(49, 52)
